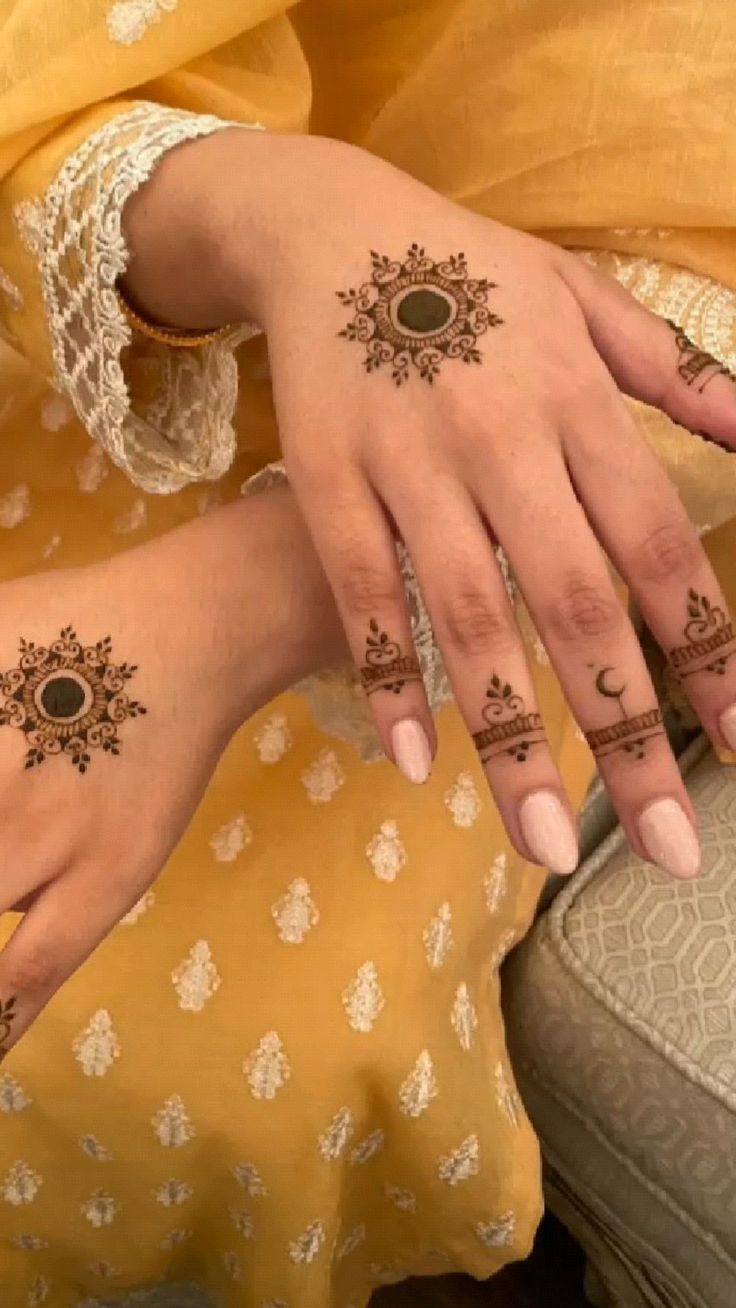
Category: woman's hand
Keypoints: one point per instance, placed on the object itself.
(121, 685)
(450, 381)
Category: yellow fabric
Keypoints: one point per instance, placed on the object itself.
(116, 1163)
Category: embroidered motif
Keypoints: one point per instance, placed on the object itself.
(324, 777)
(249, 1177)
(28, 216)
(497, 1235)
(21, 1185)
(100, 1209)
(295, 913)
(231, 839)
(437, 937)
(97, 1047)
(129, 20)
(306, 1248)
(34, 1243)
(15, 506)
(400, 1197)
(51, 546)
(132, 519)
(173, 1193)
(419, 1088)
(175, 1238)
(267, 1067)
(38, 1292)
(332, 1142)
(507, 1096)
(11, 292)
(13, 1098)
(232, 1266)
(104, 1270)
(91, 470)
(368, 1148)
(93, 1149)
(386, 853)
(274, 739)
(464, 1017)
(495, 884)
(56, 413)
(172, 1124)
(196, 979)
(463, 801)
(243, 1222)
(140, 907)
(363, 999)
(496, 958)
(351, 1242)
(462, 1163)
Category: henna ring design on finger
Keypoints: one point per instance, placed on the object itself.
(8, 1014)
(416, 312)
(631, 733)
(385, 667)
(709, 640)
(696, 365)
(67, 698)
(510, 729)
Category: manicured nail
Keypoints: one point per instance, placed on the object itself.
(411, 751)
(727, 723)
(548, 832)
(669, 838)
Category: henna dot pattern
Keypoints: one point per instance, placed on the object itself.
(415, 313)
(67, 698)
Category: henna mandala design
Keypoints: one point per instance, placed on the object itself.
(386, 668)
(630, 734)
(697, 365)
(67, 698)
(8, 1015)
(509, 730)
(417, 312)
(709, 638)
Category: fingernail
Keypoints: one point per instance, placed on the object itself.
(411, 751)
(669, 839)
(548, 831)
(727, 723)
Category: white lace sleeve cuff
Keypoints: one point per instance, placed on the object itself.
(335, 696)
(163, 415)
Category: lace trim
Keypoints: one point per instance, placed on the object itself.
(165, 417)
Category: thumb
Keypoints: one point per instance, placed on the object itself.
(652, 359)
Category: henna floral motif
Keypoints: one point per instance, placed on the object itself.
(8, 1014)
(385, 667)
(67, 698)
(509, 730)
(709, 639)
(414, 313)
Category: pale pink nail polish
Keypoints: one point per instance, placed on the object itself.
(669, 838)
(411, 751)
(549, 832)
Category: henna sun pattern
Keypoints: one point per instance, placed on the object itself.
(67, 698)
(414, 313)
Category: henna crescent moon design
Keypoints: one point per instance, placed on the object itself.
(603, 689)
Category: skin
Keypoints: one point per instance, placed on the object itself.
(241, 611)
(533, 447)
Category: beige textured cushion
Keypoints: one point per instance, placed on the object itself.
(621, 1009)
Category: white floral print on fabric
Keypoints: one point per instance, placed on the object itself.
(29, 221)
(172, 1124)
(33, 1243)
(507, 1096)
(243, 1222)
(437, 937)
(175, 1238)
(386, 852)
(295, 913)
(231, 839)
(173, 1193)
(368, 1148)
(352, 1241)
(21, 1185)
(56, 413)
(333, 1141)
(196, 979)
(38, 1292)
(250, 1178)
(274, 739)
(97, 1047)
(462, 1163)
(100, 1209)
(464, 1017)
(324, 777)
(363, 998)
(91, 470)
(13, 1098)
(232, 1265)
(15, 506)
(419, 1088)
(90, 1145)
(132, 519)
(129, 20)
(307, 1246)
(498, 1234)
(11, 292)
(503, 946)
(140, 907)
(400, 1197)
(495, 883)
(51, 546)
(103, 1270)
(267, 1068)
(463, 801)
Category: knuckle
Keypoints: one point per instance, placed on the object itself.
(584, 610)
(668, 551)
(474, 624)
(368, 591)
(33, 971)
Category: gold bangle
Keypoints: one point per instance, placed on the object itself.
(181, 338)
